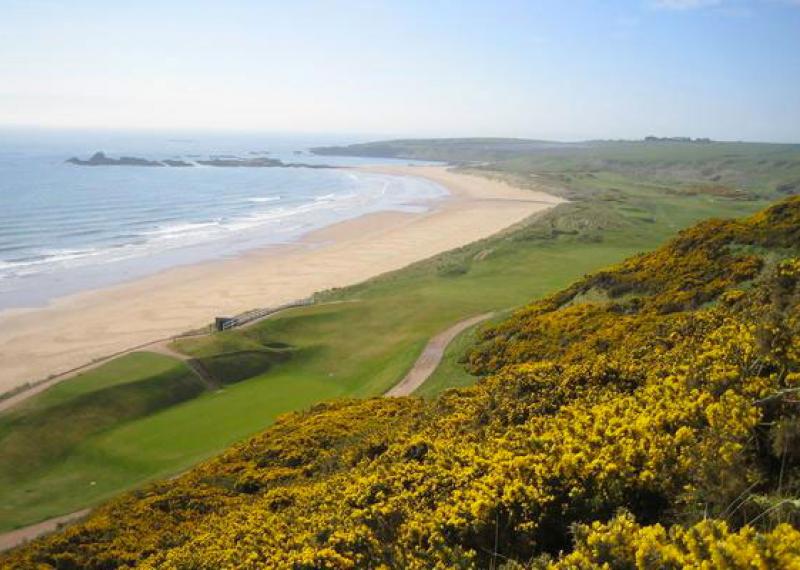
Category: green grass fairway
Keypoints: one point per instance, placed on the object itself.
(356, 342)
(46, 431)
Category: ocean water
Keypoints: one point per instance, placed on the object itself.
(67, 228)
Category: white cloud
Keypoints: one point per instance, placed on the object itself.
(685, 4)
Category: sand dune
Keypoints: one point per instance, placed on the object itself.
(74, 330)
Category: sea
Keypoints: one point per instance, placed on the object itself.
(66, 228)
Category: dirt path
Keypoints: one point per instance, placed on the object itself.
(19, 536)
(196, 366)
(431, 357)
(159, 346)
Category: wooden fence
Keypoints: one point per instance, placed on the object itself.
(225, 323)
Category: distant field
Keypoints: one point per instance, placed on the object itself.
(358, 341)
(765, 169)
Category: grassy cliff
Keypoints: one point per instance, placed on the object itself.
(646, 416)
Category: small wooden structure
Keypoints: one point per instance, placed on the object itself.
(223, 323)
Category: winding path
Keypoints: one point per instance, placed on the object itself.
(431, 357)
(425, 365)
(193, 363)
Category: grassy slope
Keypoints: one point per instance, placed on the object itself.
(42, 439)
(362, 346)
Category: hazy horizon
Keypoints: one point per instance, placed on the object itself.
(724, 69)
(341, 137)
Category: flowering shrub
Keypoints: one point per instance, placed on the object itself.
(622, 543)
(675, 401)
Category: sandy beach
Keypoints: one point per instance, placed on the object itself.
(74, 330)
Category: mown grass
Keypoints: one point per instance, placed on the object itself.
(46, 430)
(357, 342)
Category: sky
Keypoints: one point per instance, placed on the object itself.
(560, 69)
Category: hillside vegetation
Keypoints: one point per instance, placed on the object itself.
(646, 416)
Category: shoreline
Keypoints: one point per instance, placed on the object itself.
(191, 233)
(78, 329)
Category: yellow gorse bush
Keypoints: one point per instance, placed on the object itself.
(708, 544)
(657, 429)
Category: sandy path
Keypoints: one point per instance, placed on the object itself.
(80, 328)
(431, 357)
(19, 536)
(160, 346)
(195, 365)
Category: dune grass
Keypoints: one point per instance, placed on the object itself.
(356, 342)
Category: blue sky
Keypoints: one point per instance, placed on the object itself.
(568, 69)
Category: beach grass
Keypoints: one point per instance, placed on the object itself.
(355, 342)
